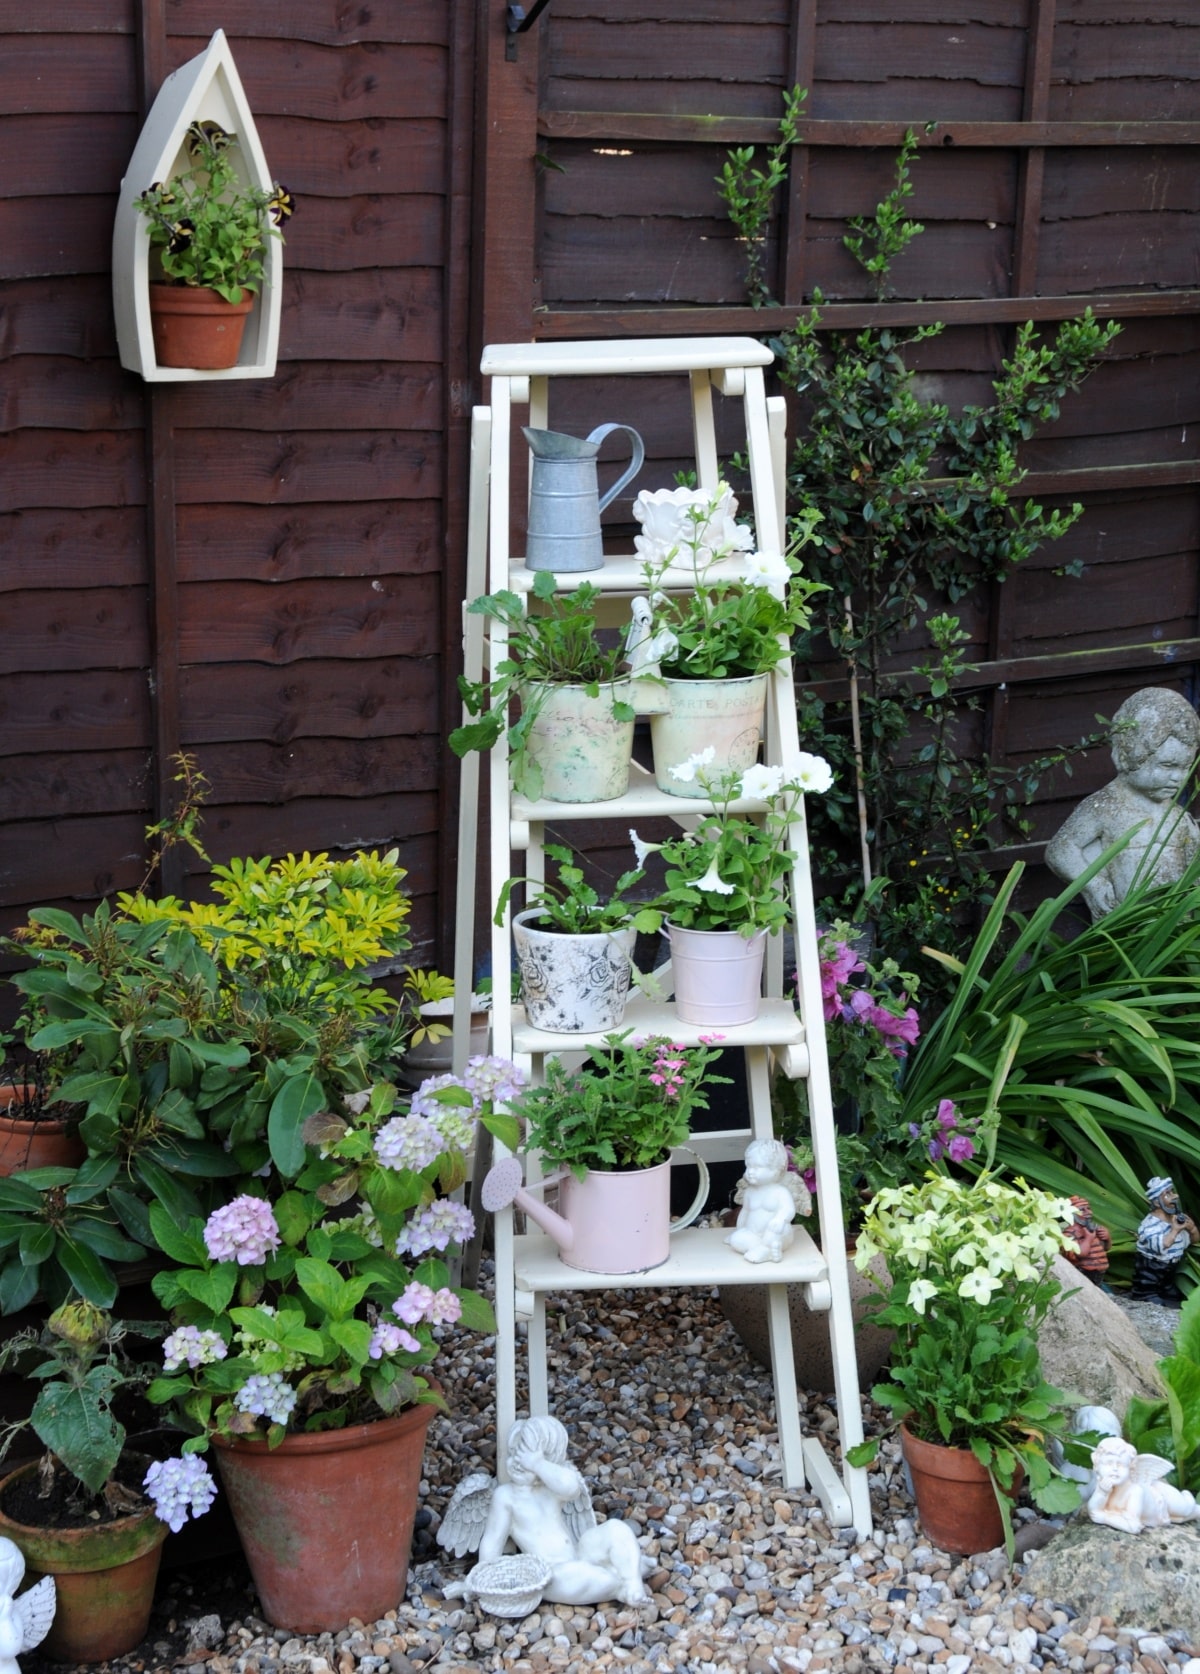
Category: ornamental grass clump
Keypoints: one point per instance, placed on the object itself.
(971, 1283)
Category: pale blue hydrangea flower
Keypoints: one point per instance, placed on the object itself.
(266, 1395)
(179, 1486)
(408, 1142)
(435, 1226)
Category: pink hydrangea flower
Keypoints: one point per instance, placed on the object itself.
(413, 1305)
(244, 1231)
(389, 1339)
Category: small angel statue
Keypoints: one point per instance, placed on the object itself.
(1129, 1492)
(771, 1196)
(545, 1510)
(24, 1621)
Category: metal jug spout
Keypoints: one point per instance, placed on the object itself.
(556, 444)
(502, 1186)
(564, 498)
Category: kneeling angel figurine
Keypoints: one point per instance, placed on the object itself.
(770, 1196)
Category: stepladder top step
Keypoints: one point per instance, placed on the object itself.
(604, 357)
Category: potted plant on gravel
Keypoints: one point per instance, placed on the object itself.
(571, 739)
(307, 1313)
(725, 889)
(969, 1285)
(574, 951)
(725, 624)
(611, 1128)
(92, 1512)
(36, 1129)
(210, 230)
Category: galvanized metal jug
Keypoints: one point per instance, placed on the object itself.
(564, 497)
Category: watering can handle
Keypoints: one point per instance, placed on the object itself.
(635, 464)
(701, 1196)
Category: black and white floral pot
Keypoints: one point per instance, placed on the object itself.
(572, 984)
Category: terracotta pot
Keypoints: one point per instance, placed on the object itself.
(326, 1519)
(104, 1576)
(45, 1143)
(717, 974)
(956, 1502)
(196, 327)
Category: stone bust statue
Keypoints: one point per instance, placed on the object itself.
(1155, 741)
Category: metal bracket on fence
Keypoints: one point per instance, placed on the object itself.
(517, 20)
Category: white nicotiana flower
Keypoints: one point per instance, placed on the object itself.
(643, 851)
(768, 570)
(762, 783)
(685, 771)
(713, 883)
(979, 1285)
(920, 1292)
(967, 1255)
(813, 773)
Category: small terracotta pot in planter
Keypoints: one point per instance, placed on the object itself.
(104, 1576)
(326, 1518)
(196, 327)
(956, 1502)
(45, 1143)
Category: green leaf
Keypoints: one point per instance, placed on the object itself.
(300, 1097)
(15, 1194)
(477, 1312)
(37, 1242)
(1059, 1497)
(75, 1423)
(87, 1272)
(292, 1216)
(18, 1286)
(213, 1288)
(103, 1239)
(180, 1203)
(182, 1244)
(354, 1336)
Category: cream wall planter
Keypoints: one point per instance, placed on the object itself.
(205, 89)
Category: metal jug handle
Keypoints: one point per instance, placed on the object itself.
(701, 1196)
(635, 464)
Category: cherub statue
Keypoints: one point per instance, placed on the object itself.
(24, 1621)
(1155, 740)
(771, 1196)
(545, 1510)
(1164, 1237)
(1129, 1492)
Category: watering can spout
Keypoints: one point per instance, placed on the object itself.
(502, 1186)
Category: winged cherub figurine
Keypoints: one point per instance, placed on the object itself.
(24, 1621)
(1129, 1493)
(545, 1510)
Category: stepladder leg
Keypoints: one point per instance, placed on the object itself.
(787, 1404)
(539, 1377)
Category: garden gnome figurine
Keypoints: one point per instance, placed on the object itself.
(1088, 1243)
(1155, 741)
(1129, 1492)
(545, 1510)
(24, 1621)
(1164, 1237)
(770, 1197)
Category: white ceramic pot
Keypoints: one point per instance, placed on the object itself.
(572, 984)
(581, 747)
(621, 1221)
(727, 714)
(717, 975)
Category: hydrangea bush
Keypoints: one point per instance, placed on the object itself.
(315, 1302)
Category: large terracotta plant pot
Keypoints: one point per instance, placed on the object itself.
(728, 714)
(572, 984)
(583, 750)
(196, 327)
(104, 1576)
(956, 1503)
(46, 1143)
(717, 975)
(326, 1519)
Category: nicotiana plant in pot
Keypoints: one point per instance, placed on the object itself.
(574, 951)
(92, 1512)
(726, 882)
(712, 633)
(307, 1314)
(571, 737)
(611, 1127)
(210, 231)
(970, 1283)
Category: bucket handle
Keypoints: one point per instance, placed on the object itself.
(701, 1197)
(635, 464)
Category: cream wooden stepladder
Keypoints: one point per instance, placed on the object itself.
(785, 1035)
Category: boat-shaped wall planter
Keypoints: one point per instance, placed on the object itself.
(205, 89)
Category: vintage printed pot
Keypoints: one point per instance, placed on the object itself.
(572, 984)
(104, 1576)
(717, 974)
(196, 327)
(726, 714)
(583, 750)
(326, 1519)
(48, 1142)
(956, 1503)
(620, 1221)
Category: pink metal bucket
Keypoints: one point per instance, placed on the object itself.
(718, 975)
(621, 1222)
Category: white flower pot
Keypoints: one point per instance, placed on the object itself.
(717, 975)
(572, 984)
(726, 714)
(583, 750)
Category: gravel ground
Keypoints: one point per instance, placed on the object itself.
(672, 1425)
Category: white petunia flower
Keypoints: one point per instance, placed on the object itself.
(762, 783)
(769, 570)
(813, 773)
(643, 851)
(713, 883)
(685, 771)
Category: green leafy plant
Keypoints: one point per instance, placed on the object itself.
(422, 989)
(628, 1107)
(311, 1303)
(749, 191)
(553, 644)
(209, 227)
(571, 905)
(1170, 1427)
(969, 1286)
